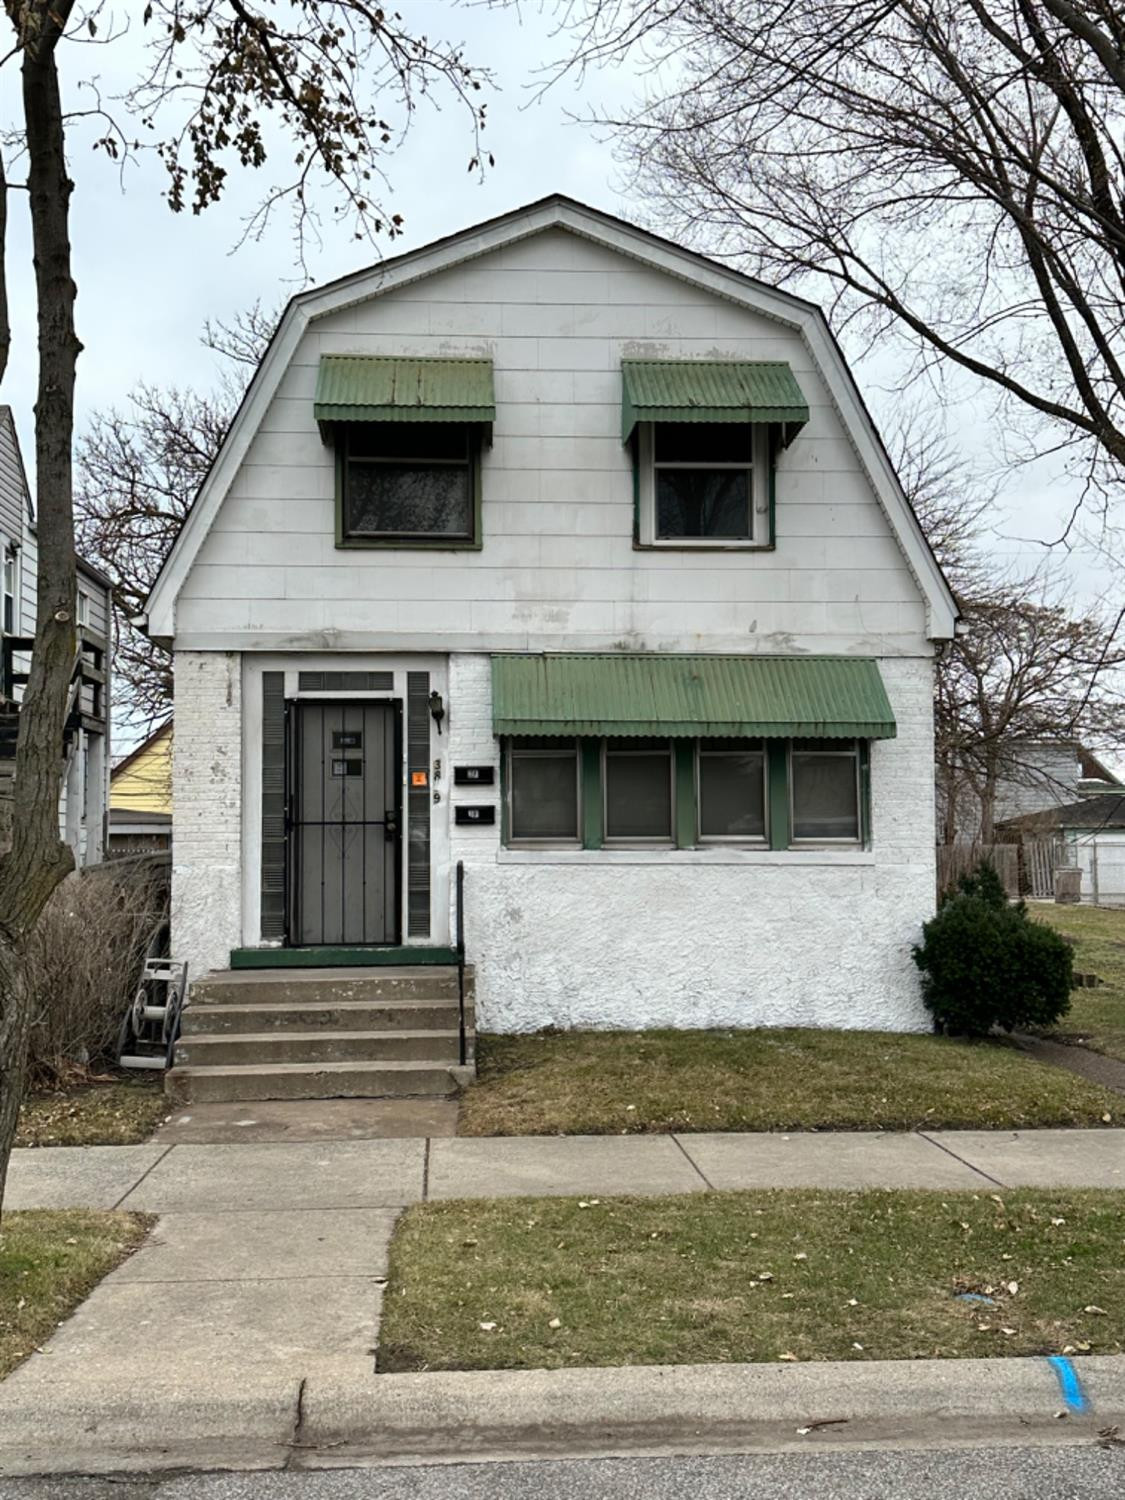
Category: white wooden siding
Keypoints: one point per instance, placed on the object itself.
(13, 495)
(557, 314)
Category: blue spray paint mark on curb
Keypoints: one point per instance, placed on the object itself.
(1073, 1394)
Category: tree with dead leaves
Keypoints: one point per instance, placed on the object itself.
(947, 171)
(337, 83)
(137, 469)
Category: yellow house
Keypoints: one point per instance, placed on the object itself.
(140, 796)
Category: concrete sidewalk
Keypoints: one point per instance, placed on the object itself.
(246, 1325)
(343, 1175)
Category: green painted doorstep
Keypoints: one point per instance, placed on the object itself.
(336, 958)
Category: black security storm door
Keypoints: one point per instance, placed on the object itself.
(345, 821)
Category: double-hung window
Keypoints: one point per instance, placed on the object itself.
(825, 791)
(408, 482)
(703, 484)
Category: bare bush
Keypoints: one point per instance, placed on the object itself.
(83, 962)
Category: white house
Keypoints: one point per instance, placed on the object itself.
(85, 788)
(565, 553)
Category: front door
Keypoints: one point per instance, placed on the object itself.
(344, 825)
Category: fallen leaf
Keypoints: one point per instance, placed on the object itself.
(765, 1275)
(1013, 1287)
(1106, 1118)
(555, 1323)
(800, 1255)
(853, 1301)
(856, 1346)
(1098, 1312)
(1057, 1222)
(487, 1327)
(788, 1358)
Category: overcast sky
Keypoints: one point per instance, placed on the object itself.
(148, 279)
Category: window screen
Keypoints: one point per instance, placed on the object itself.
(732, 789)
(824, 787)
(638, 790)
(543, 790)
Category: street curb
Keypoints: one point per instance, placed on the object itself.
(340, 1415)
(223, 1422)
(702, 1409)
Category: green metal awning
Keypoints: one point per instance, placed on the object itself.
(711, 390)
(806, 697)
(384, 388)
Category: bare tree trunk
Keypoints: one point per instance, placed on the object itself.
(38, 859)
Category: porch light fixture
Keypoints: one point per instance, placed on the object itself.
(437, 709)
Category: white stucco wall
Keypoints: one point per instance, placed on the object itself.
(207, 796)
(700, 937)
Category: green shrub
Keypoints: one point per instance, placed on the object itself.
(985, 883)
(986, 964)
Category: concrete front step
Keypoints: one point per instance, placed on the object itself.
(386, 985)
(318, 1047)
(339, 1080)
(340, 1015)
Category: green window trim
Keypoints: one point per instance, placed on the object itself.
(593, 816)
(685, 809)
(407, 543)
(777, 796)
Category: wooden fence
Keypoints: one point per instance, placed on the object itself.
(955, 860)
(1041, 858)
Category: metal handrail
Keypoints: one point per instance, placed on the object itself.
(460, 939)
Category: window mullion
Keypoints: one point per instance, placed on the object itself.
(593, 832)
(777, 752)
(685, 794)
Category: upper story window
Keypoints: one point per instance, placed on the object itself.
(703, 483)
(705, 435)
(407, 433)
(10, 590)
(83, 608)
(407, 481)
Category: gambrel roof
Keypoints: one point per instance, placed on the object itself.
(559, 213)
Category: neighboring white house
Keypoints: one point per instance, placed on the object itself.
(561, 551)
(1037, 775)
(85, 791)
(1093, 831)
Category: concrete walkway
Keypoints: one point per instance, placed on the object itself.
(253, 1308)
(216, 1180)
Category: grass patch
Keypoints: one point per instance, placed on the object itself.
(120, 1113)
(1096, 1017)
(48, 1263)
(613, 1082)
(752, 1277)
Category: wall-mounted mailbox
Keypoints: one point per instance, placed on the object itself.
(467, 813)
(474, 775)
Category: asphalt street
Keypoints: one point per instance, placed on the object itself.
(1086, 1472)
